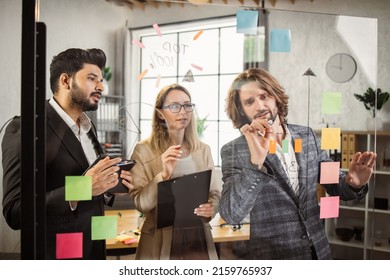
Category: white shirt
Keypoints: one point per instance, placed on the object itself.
(79, 132)
(289, 162)
(184, 166)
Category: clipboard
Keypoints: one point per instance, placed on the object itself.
(178, 197)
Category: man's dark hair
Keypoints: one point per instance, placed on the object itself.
(71, 61)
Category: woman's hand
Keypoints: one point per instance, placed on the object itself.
(127, 180)
(169, 160)
(205, 210)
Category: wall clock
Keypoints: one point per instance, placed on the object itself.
(341, 67)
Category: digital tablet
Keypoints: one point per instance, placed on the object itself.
(125, 164)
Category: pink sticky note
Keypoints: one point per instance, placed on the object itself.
(138, 44)
(197, 67)
(158, 80)
(329, 207)
(329, 172)
(157, 28)
(69, 245)
(130, 240)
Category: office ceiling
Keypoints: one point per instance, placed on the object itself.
(141, 4)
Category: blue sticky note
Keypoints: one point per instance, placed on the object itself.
(247, 21)
(280, 40)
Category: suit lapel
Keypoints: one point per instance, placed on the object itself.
(96, 145)
(66, 136)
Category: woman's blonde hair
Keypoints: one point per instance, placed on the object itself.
(159, 138)
(265, 82)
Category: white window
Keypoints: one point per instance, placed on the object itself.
(214, 59)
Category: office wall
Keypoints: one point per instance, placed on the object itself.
(92, 23)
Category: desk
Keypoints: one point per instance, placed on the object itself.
(128, 223)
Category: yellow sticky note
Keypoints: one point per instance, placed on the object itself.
(330, 138)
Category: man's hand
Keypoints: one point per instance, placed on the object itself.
(360, 169)
(258, 135)
(104, 176)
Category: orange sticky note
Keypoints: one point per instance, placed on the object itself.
(329, 207)
(330, 172)
(298, 145)
(69, 245)
(272, 147)
(197, 35)
(123, 237)
(143, 73)
(330, 138)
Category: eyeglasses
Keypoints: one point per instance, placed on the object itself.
(176, 108)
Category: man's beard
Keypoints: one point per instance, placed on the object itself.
(271, 119)
(80, 101)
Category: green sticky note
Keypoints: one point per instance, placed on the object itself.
(78, 188)
(330, 138)
(104, 227)
(331, 103)
(285, 146)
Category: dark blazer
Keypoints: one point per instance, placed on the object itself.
(283, 225)
(64, 157)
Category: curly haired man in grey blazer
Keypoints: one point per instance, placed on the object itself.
(279, 189)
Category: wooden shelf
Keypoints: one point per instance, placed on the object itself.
(363, 212)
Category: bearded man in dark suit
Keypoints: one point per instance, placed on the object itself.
(71, 146)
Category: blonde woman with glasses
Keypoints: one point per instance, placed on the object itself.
(172, 150)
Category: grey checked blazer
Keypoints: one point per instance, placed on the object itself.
(283, 225)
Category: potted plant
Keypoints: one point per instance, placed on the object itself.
(107, 75)
(201, 125)
(373, 101)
